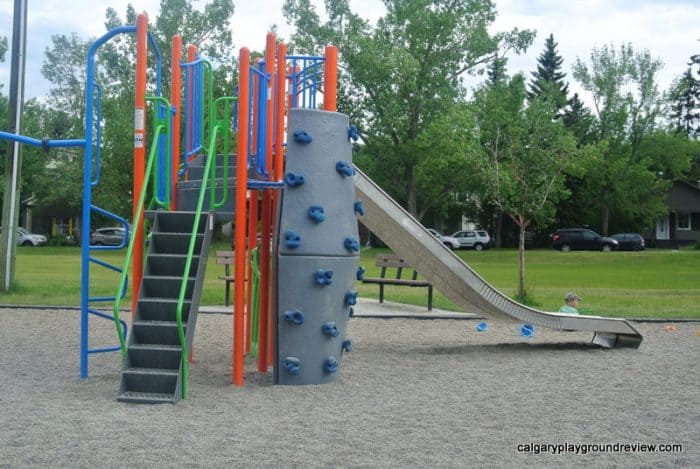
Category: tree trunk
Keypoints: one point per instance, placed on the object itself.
(499, 225)
(521, 263)
(411, 201)
(605, 222)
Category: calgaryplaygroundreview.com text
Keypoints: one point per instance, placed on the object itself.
(584, 448)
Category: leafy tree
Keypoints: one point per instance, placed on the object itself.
(64, 67)
(3, 48)
(627, 105)
(548, 81)
(526, 155)
(401, 81)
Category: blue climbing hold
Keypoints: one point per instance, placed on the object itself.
(292, 365)
(331, 365)
(295, 317)
(324, 277)
(317, 214)
(353, 134)
(344, 168)
(351, 244)
(347, 345)
(293, 179)
(330, 329)
(482, 327)
(360, 275)
(291, 239)
(302, 136)
(527, 330)
(351, 298)
(359, 208)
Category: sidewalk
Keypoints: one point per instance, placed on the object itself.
(372, 308)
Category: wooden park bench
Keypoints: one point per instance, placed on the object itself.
(227, 258)
(392, 261)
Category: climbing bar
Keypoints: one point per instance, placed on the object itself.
(45, 143)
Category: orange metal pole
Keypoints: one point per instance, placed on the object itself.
(139, 154)
(264, 337)
(252, 211)
(280, 106)
(176, 102)
(330, 79)
(238, 364)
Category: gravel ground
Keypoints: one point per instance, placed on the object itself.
(411, 394)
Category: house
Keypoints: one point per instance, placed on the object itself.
(681, 225)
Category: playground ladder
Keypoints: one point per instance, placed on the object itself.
(151, 372)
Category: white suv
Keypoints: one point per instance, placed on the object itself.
(448, 241)
(476, 239)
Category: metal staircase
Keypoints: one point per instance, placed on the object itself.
(152, 370)
(224, 180)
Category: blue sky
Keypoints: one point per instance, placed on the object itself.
(667, 28)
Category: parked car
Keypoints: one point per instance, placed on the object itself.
(569, 239)
(448, 241)
(630, 241)
(25, 238)
(107, 236)
(476, 239)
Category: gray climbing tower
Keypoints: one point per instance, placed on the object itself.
(318, 249)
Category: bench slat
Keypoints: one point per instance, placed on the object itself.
(386, 261)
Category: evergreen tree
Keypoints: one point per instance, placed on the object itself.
(496, 70)
(548, 81)
(685, 101)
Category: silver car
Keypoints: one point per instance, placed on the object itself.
(25, 238)
(473, 239)
(448, 241)
(108, 236)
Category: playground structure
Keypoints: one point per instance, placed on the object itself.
(275, 187)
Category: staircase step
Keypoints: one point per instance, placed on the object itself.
(161, 309)
(188, 195)
(154, 356)
(159, 264)
(196, 172)
(147, 397)
(156, 332)
(179, 222)
(155, 380)
(165, 287)
(201, 160)
(174, 243)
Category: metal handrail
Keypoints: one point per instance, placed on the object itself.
(224, 124)
(161, 173)
(132, 239)
(188, 262)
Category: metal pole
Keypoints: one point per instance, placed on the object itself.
(13, 164)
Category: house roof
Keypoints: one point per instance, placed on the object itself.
(684, 197)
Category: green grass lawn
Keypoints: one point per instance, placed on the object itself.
(653, 283)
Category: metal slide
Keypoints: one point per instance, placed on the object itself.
(458, 282)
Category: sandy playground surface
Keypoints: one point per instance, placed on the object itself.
(413, 393)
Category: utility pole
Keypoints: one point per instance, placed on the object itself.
(13, 163)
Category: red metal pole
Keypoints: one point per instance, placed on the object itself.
(139, 154)
(265, 322)
(176, 102)
(238, 364)
(330, 79)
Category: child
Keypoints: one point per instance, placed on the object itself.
(572, 304)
